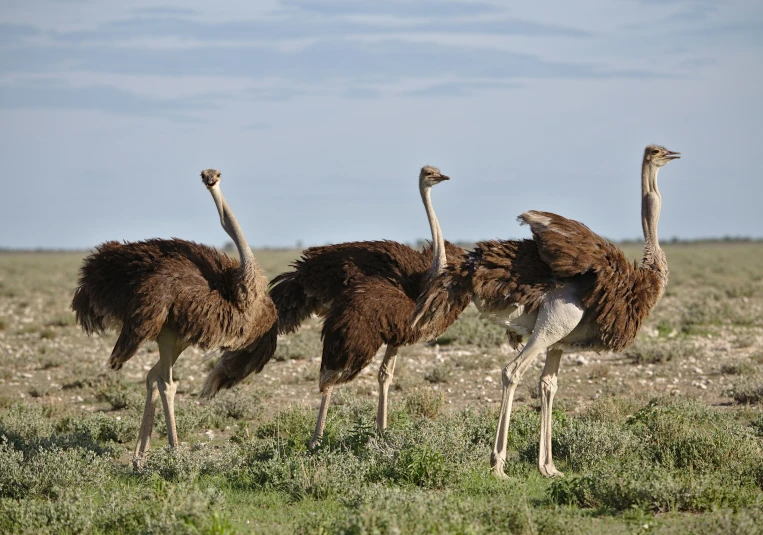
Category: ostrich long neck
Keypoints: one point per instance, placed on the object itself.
(438, 242)
(651, 203)
(231, 226)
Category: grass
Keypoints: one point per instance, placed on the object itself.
(647, 463)
(635, 462)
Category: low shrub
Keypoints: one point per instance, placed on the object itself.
(120, 395)
(158, 508)
(469, 329)
(100, 427)
(646, 350)
(748, 389)
(621, 486)
(48, 473)
(304, 344)
(425, 402)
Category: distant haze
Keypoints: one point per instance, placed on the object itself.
(321, 113)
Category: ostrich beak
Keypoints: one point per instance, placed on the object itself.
(670, 155)
(442, 177)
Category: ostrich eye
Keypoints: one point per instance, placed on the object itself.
(655, 151)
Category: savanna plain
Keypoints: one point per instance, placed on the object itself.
(666, 437)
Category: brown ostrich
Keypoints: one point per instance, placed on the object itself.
(179, 293)
(567, 288)
(365, 292)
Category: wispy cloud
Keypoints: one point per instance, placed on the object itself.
(166, 11)
(430, 9)
(15, 33)
(363, 93)
(53, 94)
(459, 89)
(298, 26)
(322, 61)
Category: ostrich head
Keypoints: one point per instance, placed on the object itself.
(210, 177)
(430, 176)
(658, 156)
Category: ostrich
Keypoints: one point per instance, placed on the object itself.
(567, 288)
(365, 292)
(179, 293)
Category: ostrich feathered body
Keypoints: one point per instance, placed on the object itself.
(200, 294)
(366, 292)
(500, 274)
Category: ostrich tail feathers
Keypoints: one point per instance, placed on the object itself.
(235, 366)
(293, 304)
(87, 318)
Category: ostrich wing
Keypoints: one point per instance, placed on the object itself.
(622, 294)
(509, 273)
(367, 314)
(568, 247)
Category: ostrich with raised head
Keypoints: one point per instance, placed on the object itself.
(366, 293)
(566, 289)
(179, 293)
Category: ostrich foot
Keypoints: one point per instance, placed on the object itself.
(549, 470)
(137, 462)
(496, 466)
(315, 442)
(499, 473)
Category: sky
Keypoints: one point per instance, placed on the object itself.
(320, 113)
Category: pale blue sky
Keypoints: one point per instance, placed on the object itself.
(320, 113)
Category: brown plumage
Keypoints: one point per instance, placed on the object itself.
(179, 293)
(501, 274)
(498, 273)
(566, 288)
(622, 294)
(365, 292)
(192, 288)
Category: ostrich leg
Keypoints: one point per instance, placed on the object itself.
(386, 372)
(547, 388)
(170, 348)
(558, 316)
(147, 423)
(321, 423)
(511, 376)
